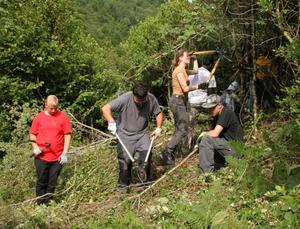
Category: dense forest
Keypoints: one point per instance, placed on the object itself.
(88, 52)
(112, 20)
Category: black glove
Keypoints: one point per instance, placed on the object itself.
(193, 57)
(203, 86)
(220, 52)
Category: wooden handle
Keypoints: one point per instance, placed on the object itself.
(203, 52)
(213, 70)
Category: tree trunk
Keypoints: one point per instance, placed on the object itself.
(252, 81)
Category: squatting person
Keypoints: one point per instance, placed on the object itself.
(214, 144)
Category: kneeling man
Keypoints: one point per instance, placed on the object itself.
(214, 143)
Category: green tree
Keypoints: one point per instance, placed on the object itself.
(149, 48)
(44, 50)
(111, 20)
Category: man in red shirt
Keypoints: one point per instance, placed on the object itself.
(50, 134)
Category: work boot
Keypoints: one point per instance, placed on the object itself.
(166, 158)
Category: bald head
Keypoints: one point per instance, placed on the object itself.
(51, 104)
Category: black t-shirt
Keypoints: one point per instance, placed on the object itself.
(232, 129)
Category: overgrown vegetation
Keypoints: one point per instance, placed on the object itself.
(260, 190)
(46, 49)
(111, 20)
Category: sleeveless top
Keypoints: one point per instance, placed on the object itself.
(177, 90)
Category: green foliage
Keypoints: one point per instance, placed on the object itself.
(18, 183)
(282, 16)
(151, 44)
(86, 173)
(38, 43)
(289, 105)
(210, 210)
(251, 191)
(5, 127)
(21, 117)
(289, 136)
(111, 20)
(44, 50)
(127, 220)
(97, 87)
(265, 5)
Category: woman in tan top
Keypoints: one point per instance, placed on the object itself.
(178, 104)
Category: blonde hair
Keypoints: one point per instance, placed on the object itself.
(177, 55)
(52, 98)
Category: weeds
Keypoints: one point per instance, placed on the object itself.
(259, 189)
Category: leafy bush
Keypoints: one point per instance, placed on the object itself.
(17, 172)
(289, 105)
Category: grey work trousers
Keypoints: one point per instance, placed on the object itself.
(210, 149)
(178, 107)
(137, 145)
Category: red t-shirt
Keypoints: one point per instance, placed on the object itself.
(50, 129)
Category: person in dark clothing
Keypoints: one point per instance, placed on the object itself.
(214, 143)
(134, 109)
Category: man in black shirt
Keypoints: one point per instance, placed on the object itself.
(214, 143)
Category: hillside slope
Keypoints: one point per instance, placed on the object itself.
(112, 20)
(255, 191)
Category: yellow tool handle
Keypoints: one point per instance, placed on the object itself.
(213, 70)
(203, 52)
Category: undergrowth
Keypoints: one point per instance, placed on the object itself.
(260, 189)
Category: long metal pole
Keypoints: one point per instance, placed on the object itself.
(149, 149)
(126, 150)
